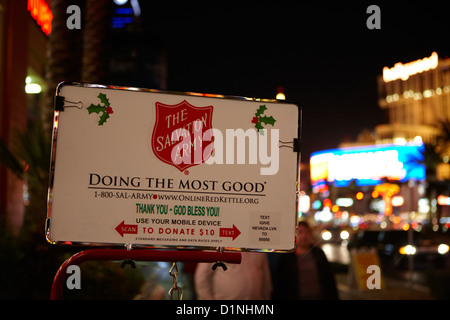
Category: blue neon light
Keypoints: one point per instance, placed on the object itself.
(368, 165)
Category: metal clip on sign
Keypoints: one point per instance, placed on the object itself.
(296, 144)
(60, 104)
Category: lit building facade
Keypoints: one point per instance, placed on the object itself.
(415, 99)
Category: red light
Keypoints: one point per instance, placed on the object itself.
(41, 12)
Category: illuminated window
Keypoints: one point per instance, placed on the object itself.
(427, 93)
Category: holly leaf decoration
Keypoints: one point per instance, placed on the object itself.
(96, 108)
(259, 127)
(104, 109)
(261, 110)
(267, 120)
(104, 99)
(103, 118)
(259, 119)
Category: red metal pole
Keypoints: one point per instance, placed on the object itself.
(139, 255)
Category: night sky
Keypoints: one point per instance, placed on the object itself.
(322, 53)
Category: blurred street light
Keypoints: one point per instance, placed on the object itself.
(280, 94)
(32, 87)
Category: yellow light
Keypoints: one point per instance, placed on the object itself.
(397, 201)
(404, 71)
(443, 248)
(427, 93)
(386, 187)
(335, 208)
(405, 227)
(344, 235)
(359, 195)
(409, 249)
(375, 194)
(319, 167)
(326, 235)
(32, 88)
(281, 96)
(399, 141)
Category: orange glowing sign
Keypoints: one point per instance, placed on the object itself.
(443, 200)
(40, 11)
(404, 71)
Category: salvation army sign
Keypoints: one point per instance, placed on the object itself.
(179, 121)
(158, 169)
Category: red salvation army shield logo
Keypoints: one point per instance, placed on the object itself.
(182, 136)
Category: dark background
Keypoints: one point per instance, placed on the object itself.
(321, 53)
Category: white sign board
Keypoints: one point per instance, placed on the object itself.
(157, 169)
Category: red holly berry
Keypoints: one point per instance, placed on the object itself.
(255, 120)
(109, 110)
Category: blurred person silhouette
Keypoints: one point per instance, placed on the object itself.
(249, 280)
(305, 273)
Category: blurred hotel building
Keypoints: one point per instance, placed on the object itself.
(415, 99)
